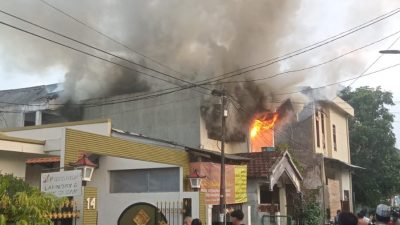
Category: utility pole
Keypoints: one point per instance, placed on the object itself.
(222, 192)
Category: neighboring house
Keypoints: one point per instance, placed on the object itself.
(320, 141)
(134, 172)
(15, 151)
(30, 106)
(273, 186)
(175, 116)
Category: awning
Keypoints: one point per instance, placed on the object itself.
(53, 159)
(217, 155)
(348, 165)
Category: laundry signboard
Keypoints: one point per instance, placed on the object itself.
(62, 184)
(235, 182)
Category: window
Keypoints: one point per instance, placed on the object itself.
(144, 180)
(29, 119)
(346, 195)
(317, 130)
(323, 129)
(267, 196)
(334, 137)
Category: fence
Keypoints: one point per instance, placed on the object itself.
(173, 211)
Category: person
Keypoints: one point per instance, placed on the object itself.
(347, 218)
(361, 220)
(364, 213)
(196, 222)
(187, 220)
(237, 217)
(337, 217)
(382, 214)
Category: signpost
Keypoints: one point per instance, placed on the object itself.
(62, 184)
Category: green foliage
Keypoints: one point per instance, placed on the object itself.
(307, 211)
(282, 147)
(21, 204)
(372, 144)
(312, 213)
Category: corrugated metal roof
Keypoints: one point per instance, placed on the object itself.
(30, 95)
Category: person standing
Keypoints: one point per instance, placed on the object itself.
(187, 220)
(237, 217)
(382, 214)
(196, 222)
(347, 218)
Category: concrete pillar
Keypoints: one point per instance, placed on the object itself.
(282, 200)
(38, 118)
(248, 214)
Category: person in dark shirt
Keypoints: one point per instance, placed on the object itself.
(237, 217)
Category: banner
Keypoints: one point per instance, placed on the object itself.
(235, 182)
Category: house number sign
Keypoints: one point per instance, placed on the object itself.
(91, 203)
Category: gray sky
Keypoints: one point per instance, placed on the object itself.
(311, 21)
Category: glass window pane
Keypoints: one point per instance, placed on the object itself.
(128, 181)
(164, 180)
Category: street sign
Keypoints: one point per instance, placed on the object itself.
(62, 184)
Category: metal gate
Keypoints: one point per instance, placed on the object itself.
(173, 211)
(162, 213)
(276, 220)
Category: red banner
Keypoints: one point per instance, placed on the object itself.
(211, 184)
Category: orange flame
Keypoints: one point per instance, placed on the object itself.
(263, 123)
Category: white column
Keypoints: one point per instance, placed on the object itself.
(282, 200)
(249, 214)
(38, 118)
(209, 214)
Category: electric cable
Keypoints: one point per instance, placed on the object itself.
(97, 49)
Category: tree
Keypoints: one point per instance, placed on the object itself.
(21, 204)
(372, 145)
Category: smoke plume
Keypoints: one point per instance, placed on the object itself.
(200, 39)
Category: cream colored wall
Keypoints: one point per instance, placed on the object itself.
(213, 145)
(346, 185)
(340, 121)
(14, 163)
(15, 146)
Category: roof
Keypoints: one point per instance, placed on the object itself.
(66, 124)
(209, 154)
(52, 159)
(261, 163)
(23, 140)
(342, 105)
(272, 165)
(348, 165)
(29, 95)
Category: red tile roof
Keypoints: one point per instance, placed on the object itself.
(53, 159)
(261, 163)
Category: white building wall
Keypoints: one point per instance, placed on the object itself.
(51, 133)
(111, 205)
(340, 121)
(14, 163)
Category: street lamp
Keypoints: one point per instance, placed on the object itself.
(86, 166)
(195, 180)
(389, 51)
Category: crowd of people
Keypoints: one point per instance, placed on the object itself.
(382, 216)
(237, 217)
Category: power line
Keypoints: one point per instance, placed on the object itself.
(343, 81)
(81, 51)
(98, 49)
(309, 67)
(305, 49)
(107, 36)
